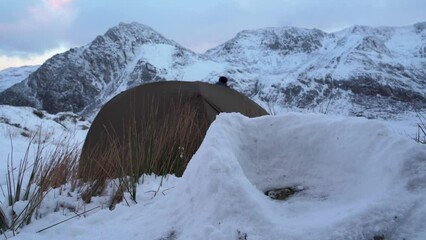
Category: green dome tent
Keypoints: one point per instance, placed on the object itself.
(156, 127)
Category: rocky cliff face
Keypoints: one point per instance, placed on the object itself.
(363, 71)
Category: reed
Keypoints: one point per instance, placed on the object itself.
(36, 174)
(421, 128)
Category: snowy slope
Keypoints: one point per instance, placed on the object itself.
(358, 71)
(19, 124)
(11, 76)
(357, 180)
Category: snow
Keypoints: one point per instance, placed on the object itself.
(11, 76)
(159, 55)
(358, 179)
(197, 70)
(17, 124)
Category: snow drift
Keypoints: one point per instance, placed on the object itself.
(358, 180)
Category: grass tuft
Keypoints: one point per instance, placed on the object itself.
(29, 183)
(149, 146)
(421, 128)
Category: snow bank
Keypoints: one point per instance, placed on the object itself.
(358, 180)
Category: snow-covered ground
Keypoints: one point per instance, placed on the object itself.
(19, 124)
(356, 179)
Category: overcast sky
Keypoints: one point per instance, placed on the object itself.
(33, 30)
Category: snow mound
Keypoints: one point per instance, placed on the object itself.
(357, 181)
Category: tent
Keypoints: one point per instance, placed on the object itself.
(156, 127)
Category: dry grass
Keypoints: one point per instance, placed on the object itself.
(35, 176)
(160, 146)
(421, 128)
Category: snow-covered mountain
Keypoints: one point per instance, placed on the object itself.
(359, 69)
(373, 72)
(111, 63)
(14, 75)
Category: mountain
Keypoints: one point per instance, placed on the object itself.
(111, 63)
(364, 71)
(359, 70)
(13, 75)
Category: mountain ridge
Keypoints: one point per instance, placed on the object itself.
(361, 70)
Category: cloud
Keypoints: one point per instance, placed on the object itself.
(31, 27)
(58, 4)
(40, 25)
(51, 12)
(31, 59)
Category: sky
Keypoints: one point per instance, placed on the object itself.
(31, 31)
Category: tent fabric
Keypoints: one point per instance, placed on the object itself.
(149, 108)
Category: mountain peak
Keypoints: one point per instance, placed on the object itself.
(132, 28)
(135, 32)
(133, 25)
(360, 29)
(279, 40)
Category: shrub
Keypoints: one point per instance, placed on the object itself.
(4, 120)
(26, 134)
(17, 125)
(38, 113)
